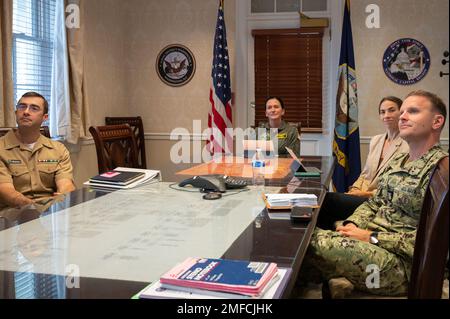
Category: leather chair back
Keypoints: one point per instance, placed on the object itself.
(138, 130)
(115, 146)
(432, 239)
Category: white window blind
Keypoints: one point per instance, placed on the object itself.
(33, 34)
(33, 30)
(279, 6)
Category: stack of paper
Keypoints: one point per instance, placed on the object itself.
(117, 178)
(274, 201)
(123, 178)
(220, 276)
(157, 291)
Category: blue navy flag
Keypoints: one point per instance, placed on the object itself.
(346, 132)
(220, 117)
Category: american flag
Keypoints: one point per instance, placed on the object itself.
(220, 116)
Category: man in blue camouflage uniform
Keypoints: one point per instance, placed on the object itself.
(380, 234)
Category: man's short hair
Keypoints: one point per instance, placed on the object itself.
(274, 98)
(35, 94)
(436, 102)
(393, 99)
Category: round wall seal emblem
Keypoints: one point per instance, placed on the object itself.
(175, 65)
(406, 61)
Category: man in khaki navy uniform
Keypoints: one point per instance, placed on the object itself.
(32, 167)
(381, 232)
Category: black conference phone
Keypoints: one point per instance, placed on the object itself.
(214, 183)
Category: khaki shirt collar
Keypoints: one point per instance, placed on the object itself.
(12, 141)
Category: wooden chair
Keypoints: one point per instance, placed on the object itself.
(138, 130)
(115, 146)
(44, 131)
(431, 246)
(4, 130)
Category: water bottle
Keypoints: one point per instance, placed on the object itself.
(258, 165)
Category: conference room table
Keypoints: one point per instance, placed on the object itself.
(264, 239)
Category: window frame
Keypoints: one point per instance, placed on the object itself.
(311, 14)
(311, 107)
(41, 27)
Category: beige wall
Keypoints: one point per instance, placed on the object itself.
(105, 75)
(123, 40)
(84, 164)
(104, 56)
(154, 24)
(425, 21)
(122, 43)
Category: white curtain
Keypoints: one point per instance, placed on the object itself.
(60, 111)
(7, 117)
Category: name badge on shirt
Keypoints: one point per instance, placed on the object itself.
(282, 135)
(48, 161)
(14, 162)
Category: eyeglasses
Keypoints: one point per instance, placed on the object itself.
(32, 107)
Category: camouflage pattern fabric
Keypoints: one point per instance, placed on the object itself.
(394, 213)
(337, 256)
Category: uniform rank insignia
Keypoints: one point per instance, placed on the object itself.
(49, 161)
(282, 135)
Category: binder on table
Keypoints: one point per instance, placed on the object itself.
(157, 290)
(221, 275)
(147, 175)
(117, 177)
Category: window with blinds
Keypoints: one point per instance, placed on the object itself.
(288, 64)
(33, 30)
(276, 6)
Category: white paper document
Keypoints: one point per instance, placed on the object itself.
(275, 200)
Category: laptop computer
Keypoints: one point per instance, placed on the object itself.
(301, 170)
(250, 146)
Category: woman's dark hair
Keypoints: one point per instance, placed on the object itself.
(394, 99)
(274, 98)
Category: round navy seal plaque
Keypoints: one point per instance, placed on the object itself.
(406, 61)
(175, 65)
